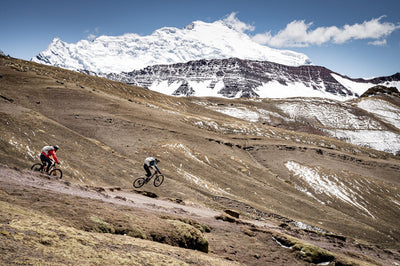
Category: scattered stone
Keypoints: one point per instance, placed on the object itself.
(147, 194)
(7, 99)
(119, 197)
(226, 218)
(232, 213)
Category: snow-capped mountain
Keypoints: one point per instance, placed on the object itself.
(205, 59)
(198, 40)
(234, 78)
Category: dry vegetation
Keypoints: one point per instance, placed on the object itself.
(212, 163)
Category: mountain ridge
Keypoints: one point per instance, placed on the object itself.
(246, 68)
(198, 40)
(234, 77)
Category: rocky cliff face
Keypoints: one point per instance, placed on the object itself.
(234, 78)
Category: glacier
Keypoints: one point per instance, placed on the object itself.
(168, 45)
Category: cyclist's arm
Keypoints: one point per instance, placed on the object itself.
(155, 165)
(53, 154)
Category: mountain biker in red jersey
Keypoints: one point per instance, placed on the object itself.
(148, 163)
(47, 153)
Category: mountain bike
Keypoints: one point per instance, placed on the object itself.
(158, 180)
(54, 171)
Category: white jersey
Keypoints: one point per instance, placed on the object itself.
(46, 149)
(148, 160)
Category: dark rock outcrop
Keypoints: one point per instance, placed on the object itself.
(240, 78)
(380, 89)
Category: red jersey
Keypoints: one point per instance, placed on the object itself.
(49, 152)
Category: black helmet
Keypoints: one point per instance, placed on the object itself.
(157, 161)
(56, 147)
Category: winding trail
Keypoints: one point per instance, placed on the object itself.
(27, 178)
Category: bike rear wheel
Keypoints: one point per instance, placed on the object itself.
(158, 180)
(139, 182)
(37, 167)
(57, 173)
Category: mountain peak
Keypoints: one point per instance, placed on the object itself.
(190, 26)
(199, 40)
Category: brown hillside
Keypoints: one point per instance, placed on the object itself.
(212, 162)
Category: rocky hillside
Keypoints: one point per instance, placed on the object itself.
(235, 78)
(238, 190)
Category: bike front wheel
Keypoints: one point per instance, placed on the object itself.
(158, 180)
(57, 173)
(37, 167)
(139, 182)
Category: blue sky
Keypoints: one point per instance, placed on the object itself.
(353, 37)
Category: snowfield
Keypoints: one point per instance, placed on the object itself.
(356, 87)
(376, 139)
(211, 86)
(168, 45)
(340, 120)
(274, 89)
(386, 111)
(328, 114)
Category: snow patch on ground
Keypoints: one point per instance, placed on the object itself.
(339, 120)
(376, 139)
(203, 89)
(308, 227)
(328, 184)
(274, 89)
(239, 112)
(328, 114)
(356, 87)
(386, 111)
(213, 188)
(164, 87)
(188, 153)
(23, 149)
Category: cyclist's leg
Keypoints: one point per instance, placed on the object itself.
(45, 161)
(147, 169)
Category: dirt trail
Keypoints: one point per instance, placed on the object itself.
(111, 195)
(114, 195)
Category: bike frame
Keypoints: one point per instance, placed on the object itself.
(150, 177)
(53, 170)
(52, 166)
(158, 179)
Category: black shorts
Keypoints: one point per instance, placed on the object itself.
(147, 169)
(45, 159)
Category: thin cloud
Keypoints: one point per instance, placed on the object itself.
(233, 22)
(298, 34)
(378, 43)
(92, 35)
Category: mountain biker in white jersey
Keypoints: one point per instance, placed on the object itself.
(148, 163)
